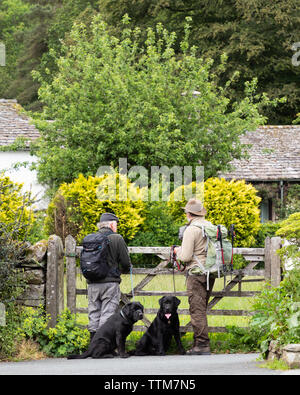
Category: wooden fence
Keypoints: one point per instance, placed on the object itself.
(271, 273)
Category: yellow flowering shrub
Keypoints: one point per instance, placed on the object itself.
(77, 206)
(227, 202)
(14, 205)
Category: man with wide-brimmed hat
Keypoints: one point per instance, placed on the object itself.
(193, 250)
(104, 295)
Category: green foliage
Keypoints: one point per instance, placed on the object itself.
(239, 339)
(292, 204)
(27, 40)
(277, 312)
(290, 230)
(15, 223)
(112, 98)
(228, 202)
(14, 205)
(65, 338)
(9, 334)
(76, 209)
(159, 229)
(12, 25)
(233, 202)
(31, 29)
(37, 230)
(256, 35)
(267, 229)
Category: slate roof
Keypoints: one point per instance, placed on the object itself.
(274, 155)
(13, 124)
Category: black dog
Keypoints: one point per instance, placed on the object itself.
(113, 333)
(158, 337)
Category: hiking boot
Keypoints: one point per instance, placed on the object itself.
(199, 350)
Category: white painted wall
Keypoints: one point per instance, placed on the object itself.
(23, 175)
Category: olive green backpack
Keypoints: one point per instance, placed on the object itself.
(217, 263)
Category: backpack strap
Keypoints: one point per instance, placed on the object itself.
(200, 265)
(204, 233)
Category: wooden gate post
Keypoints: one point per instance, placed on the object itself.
(70, 243)
(268, 259)
(55, 279)
(275, 245)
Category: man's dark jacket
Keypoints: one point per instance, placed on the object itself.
(118, 257)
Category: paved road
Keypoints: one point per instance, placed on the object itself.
(216, 364)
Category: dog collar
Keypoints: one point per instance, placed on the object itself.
(123, 316)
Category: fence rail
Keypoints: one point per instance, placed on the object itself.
(271, 273)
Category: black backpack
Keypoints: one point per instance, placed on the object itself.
(93, 257)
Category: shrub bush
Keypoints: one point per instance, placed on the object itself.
(277, 309)
(14, 206)
(64, 339)
(76, 209)
(277, 313)
(15, 223)
(267, 229)
(290, 230)
(159, 229)
(9, 334)
(227, 202)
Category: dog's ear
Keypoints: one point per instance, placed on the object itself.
(161, 300)
(177, 301)
(127, 308)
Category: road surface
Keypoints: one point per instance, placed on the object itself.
(215, 364)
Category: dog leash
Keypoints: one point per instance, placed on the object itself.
(131, 280)
(175, 265)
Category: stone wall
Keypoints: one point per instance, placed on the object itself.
(43, 270)
(289, 353)
(34, 270)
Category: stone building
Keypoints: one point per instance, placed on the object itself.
(273, 167)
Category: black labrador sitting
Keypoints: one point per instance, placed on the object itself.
(157, 339)
(113, 333)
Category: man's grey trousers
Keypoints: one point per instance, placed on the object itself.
(103, 301)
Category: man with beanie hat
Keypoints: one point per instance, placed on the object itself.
(192, 250)
(104, 295)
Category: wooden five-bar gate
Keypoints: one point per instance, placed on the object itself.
(271, 273)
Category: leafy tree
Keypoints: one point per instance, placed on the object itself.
(30, 29)
(12, 26)
(257, 36)
(112, 98)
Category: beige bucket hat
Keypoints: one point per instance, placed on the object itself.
(195, 207)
